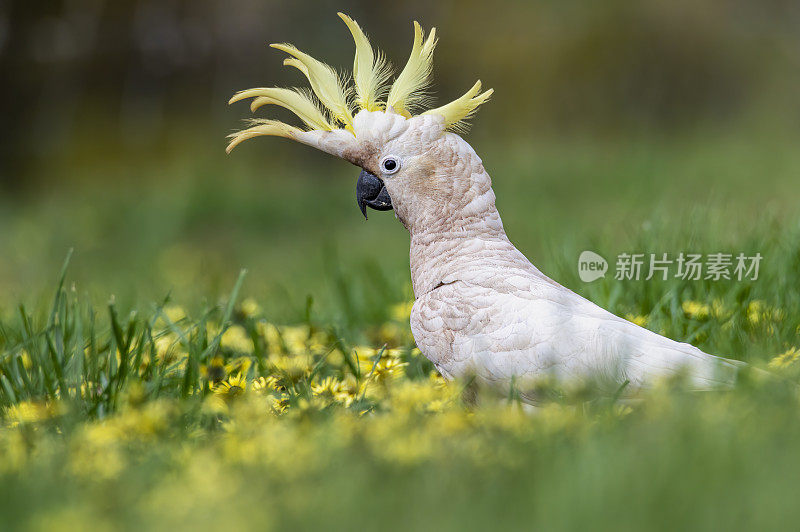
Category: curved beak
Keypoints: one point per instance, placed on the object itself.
(370, 192)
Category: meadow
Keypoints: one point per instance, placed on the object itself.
(147, 382)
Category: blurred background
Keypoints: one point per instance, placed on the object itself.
(611, 120)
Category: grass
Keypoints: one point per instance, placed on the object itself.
(293, 396)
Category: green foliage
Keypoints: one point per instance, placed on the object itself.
(162, 420)
(296, 398)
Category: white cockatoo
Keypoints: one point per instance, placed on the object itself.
(481, 308)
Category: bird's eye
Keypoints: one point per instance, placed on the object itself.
(390, 164)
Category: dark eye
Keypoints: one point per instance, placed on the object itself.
(390, 165)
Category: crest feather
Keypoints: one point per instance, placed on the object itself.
(273, 128)
(296, 100)
(326, 106)
(457, 112)
(408, 90)
(370, 73)
(324, 81)
(291, 61)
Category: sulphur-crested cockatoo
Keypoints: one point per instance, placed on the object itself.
(481, 308)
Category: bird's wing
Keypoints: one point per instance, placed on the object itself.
(523, 328)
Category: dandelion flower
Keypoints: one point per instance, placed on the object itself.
(786, 359)
(695, 309)
(250, 308)
(280, 404)
(29, 412)
(239, 365)
(174, 313)
(719, 310)
(391, 368)
(349, 390)
(269, 332)
(236, 339)
(234, 386)
(639, 320)
(755, 311)
(328, 388)
(266, 384)
(293, 367)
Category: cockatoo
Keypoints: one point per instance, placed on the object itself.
(481, 309)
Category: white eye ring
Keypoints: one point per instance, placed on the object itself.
(390, 164)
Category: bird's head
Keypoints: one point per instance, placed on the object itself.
(410, 161)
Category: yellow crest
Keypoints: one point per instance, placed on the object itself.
(331, 103)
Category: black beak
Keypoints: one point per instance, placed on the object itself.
(370, 192)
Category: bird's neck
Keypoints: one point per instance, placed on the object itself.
(462, 244)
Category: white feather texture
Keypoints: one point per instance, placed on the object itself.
(483, 309)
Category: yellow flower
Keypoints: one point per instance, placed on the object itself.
(236, 339)
(266, 384)
(349, 390)
(786, 359)
(388, 367)
(719, 310)
(305, 406)
(171, 314)
(293, 367)
(239, 365)
(755, 311)
(366, 355)
(639, 320)
(391, 368)
(758, 312)
(280, 404)
(421, 396)
(30, 412)
(234, 386)
(328, 388)
(437, 380)
(295, 337)
(250, 308)
(695, 309)
(268, 332)
(174, 313)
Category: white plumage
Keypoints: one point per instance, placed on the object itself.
(481, 308)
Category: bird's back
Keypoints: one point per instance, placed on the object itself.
(521, 326)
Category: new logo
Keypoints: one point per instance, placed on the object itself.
(591, 266)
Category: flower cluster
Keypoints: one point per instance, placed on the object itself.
(221, 413)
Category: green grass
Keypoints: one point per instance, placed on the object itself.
(293, 397)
